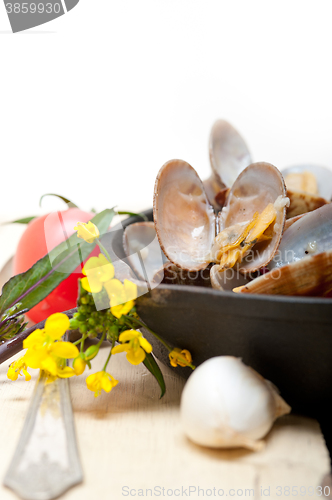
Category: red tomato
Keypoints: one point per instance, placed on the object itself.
(40, 236)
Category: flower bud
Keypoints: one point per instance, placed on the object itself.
(91, 352)
(74, 324)
(79, 365)
(87, 231)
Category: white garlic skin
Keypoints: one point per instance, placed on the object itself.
(226, 404)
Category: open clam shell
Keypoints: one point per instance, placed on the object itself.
(229, 154)
(142, 248)
(184, 219)
(257, 186)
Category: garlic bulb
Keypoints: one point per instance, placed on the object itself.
(226, 404)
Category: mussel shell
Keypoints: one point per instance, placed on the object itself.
(323, 176)
(258, 185)
(142, 248)
(229, 154)
(184, 219)
(310, 234)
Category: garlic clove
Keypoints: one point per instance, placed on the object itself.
(226, 404)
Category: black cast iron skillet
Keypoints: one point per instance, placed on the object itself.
(288, 340)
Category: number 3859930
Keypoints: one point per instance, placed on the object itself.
(33, 8)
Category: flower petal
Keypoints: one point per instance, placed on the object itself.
(95, 284)
(11, 373)
(85, 284)
(56, 325)
(64, 350)
(35, 357)
(107, 272)
(119, 348)
(127, 307)
(130, 289)
(135, 357)
(92, 263)
(117, 311)
(35, 338)
(106, 384)
(145, 344)
(49, 365)
(65, 372)
(114, 382)
(26, 374)
(128, 335)
(115, 291)
(91, 381)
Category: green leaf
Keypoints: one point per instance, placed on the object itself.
(26, 220)
(66, 200)
(154, 369)
(134, 214)
(34, 285)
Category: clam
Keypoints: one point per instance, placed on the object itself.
(303, 263)
(308, 188)
(229, 155)
(143, 251)
(184, 219)
(260, 185)
(185, 223)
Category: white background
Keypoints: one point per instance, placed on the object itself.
(94, 102)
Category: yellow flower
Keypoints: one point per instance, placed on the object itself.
(181, 358)
(100, 380)
(46, 352)
(135, 346)
(87, 231)
(15, 369)
(97, 270)
(121, 295)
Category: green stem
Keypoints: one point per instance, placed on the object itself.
(101, 246)
(101, 340)
(109, 356)
(78, 341)
(82, 342)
